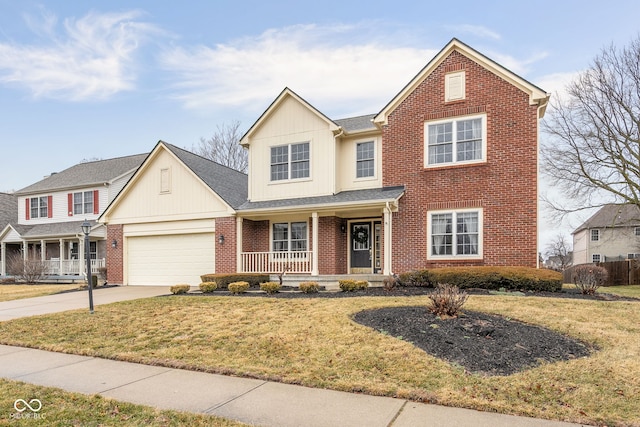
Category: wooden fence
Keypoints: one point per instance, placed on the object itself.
(621, 273)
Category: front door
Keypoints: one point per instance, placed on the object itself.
(361, 249)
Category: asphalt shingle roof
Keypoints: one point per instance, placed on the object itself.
(86, 174)
(344, 197)
(613, 215)
(228, 183)
(69, 228)
(8, 209)
(360, 123)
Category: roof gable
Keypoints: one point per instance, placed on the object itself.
(86, 174)
(285, 95)
(8, 209)
(537, 96)
(613, 215)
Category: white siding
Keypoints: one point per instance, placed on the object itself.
(60, 205)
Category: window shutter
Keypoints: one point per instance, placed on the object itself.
(27, 213)
(96, 205)
(50, 206)
(70, 204)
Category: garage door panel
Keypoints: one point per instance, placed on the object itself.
(170, 259)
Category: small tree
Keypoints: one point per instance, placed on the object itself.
(29, 270)
(589, 277)
(558, 252)
(447, 300)
(224, 147)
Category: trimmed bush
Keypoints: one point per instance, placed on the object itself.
(349, 285)
(223, 280)
(180, 289)
(495, 278)
(238, 287)
(270, 287)
(389, 283)
(446, 300)
(208, 287)
(589, 277)
(309, 287)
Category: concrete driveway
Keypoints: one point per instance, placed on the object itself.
(76, 300)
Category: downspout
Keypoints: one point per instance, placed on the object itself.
(539, 115)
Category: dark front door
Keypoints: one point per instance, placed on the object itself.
(361, 250)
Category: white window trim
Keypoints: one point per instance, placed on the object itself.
(591, 235)
(594, 255)
(375, 161)
(289, 179)
(455, 162)
(431, 256)
(447, 93)
(83, 204)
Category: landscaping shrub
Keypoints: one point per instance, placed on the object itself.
(223, 280)
(309, 287)
(589, 277)
(208, 287)
(180, 289)
(446, 300)
(350, 285)
(390, 283)
(507, 278)
(238, 287)
(270, 287)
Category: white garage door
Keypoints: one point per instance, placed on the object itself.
(170, 259)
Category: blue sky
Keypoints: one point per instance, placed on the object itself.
(100, 79)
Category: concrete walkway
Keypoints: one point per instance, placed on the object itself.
(251, 401)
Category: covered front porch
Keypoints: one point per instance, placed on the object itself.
(348, 233)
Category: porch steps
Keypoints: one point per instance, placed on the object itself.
(329, 281)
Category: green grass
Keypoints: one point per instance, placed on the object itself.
(314, 342)
(13, 292)
(61, 408)
(632, 291)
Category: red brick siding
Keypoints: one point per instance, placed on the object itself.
(505, 186)
(115, 262)
(226, 252)
(332, 246)
(255, 236)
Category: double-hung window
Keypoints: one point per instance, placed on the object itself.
(456, 234)
(595, 235)
(289, 237)
(83, 203)
(39, 207)
(455, 141)
(290, 161)
(365, 159)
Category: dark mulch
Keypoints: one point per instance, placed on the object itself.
(480, 343)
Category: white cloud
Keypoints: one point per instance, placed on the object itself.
(556, 83)
(341, 69)
(92, 59)
(474, 30)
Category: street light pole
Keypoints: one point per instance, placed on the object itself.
(86, 229)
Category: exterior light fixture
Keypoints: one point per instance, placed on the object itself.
(114, 244)
(86, 229)
(221, 239)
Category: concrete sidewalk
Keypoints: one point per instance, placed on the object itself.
(248, 400)
(75, 300)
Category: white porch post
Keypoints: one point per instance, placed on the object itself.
(61, 256)
(81, 264)
(25, 250)
(386, 268)
(3, 259)
(43, 251)
(238, 245)
(314, 258)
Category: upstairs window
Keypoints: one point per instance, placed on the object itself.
(637, 231)
(365, 162)
(595, 236)
(454, 86)
(83, 203)
(39, 207)
(290, 161)
(455, 141)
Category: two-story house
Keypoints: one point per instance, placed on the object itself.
(611, 234)
(49, 214)
(445, 174)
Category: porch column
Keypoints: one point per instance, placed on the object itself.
(314, 258)
(25, 250)
(81, 263)
(43, 250)
(3, 259)
(386, 267)
(61, 242)
(238, 245)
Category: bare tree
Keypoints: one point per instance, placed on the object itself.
(224, 148)
(29, 270)
(593, 150)
(558, 253)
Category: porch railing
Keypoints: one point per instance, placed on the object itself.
(69, 267)
(277, 262)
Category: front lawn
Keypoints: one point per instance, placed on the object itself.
(315, 342)
(61, 408)
(11, 292)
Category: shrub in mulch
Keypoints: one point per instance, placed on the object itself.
(179, 289)
(589, 277)
(447, 300)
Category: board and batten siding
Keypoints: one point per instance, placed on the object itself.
(292, 123)
(346, 164)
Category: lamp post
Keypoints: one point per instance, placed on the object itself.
(86, 229)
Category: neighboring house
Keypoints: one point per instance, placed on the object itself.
(445, 174)
(49, 213)
(8, 214)
(611, 234)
